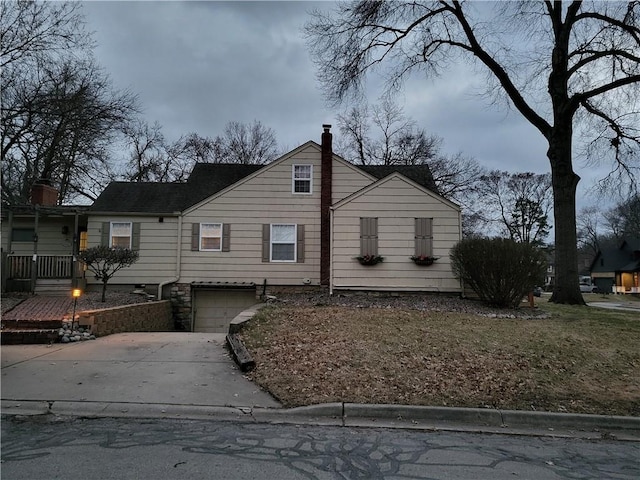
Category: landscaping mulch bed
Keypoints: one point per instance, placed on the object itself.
(434, 350)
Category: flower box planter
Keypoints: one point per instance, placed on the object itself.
(423, 260)
(369, 259)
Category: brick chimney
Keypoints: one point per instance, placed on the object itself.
(43, 193)
(325, 204)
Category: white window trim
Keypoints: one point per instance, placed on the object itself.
(293, 179)
(200, 239)
(130, 234)
(295, 242)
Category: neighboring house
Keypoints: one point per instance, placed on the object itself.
(234, 232)
(617, 269)
(40, 242)
(550, 274)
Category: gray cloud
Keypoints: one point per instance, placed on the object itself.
(198, 65)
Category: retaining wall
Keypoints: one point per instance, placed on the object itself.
(142, 317)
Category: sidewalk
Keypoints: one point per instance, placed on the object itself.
(189, 375)
(622, 305)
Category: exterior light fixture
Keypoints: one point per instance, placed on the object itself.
(75, 293)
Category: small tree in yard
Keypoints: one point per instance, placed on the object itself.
(499, 270)
(105, 261)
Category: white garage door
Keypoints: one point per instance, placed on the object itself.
(214, 309)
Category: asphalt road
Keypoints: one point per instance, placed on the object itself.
(51, 447)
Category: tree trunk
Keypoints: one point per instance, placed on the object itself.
(104, 291)
(565, 182)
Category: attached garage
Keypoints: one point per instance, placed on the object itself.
(215, 308)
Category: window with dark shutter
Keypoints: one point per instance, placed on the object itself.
(424, 237)
(368, 236)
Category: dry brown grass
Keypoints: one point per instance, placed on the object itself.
(579, 359)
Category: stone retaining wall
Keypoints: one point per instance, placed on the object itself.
(142, 317)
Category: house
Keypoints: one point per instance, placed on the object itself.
(232, 233)
(617, 269)
(40, 243)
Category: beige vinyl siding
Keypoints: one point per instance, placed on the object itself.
(396, 204)
(51, 240)
(265, 198)
(158, 248)
(347, 179)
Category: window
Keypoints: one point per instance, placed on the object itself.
(283, 243)
(302, 178)
(120, 234)
(368, 236)
(211, 236)
(424, 237)
(22, 234)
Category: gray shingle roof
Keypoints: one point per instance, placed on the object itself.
(207, 179)
(157, 197)
(421, 174)
(616, 258)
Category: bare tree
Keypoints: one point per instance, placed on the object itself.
(58, 124)
(147, 160)
(395, 140)
(246, 144)
(623, 220)
(589, 229)
(519, 203)
(30, 31)
(384, 135)
(555, 62)
(59, 110)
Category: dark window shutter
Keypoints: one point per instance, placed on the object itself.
(300, 244)
(226, 237)
(135, 236)
(368, 236)
(104, 235)
(195, 237)
(266, 240)
(424, 236)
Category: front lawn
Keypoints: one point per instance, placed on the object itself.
(579, 359)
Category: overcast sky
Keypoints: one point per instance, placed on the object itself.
(198, 65)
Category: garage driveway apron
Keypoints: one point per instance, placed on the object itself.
(174, 368)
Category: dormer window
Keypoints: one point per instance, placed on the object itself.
(302, 179)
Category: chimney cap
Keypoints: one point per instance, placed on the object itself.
(326, 127)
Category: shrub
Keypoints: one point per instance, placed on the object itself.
(104, 262)
(499, 270)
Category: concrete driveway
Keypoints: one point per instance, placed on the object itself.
(163, 368)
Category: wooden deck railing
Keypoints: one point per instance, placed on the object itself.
(19, 267)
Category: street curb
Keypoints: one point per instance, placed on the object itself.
(354, 415)
(476, 416)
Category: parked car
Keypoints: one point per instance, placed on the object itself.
(537, 291)
(586, 288)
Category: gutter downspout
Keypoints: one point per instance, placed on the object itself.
(331, 214)
(178, 261)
